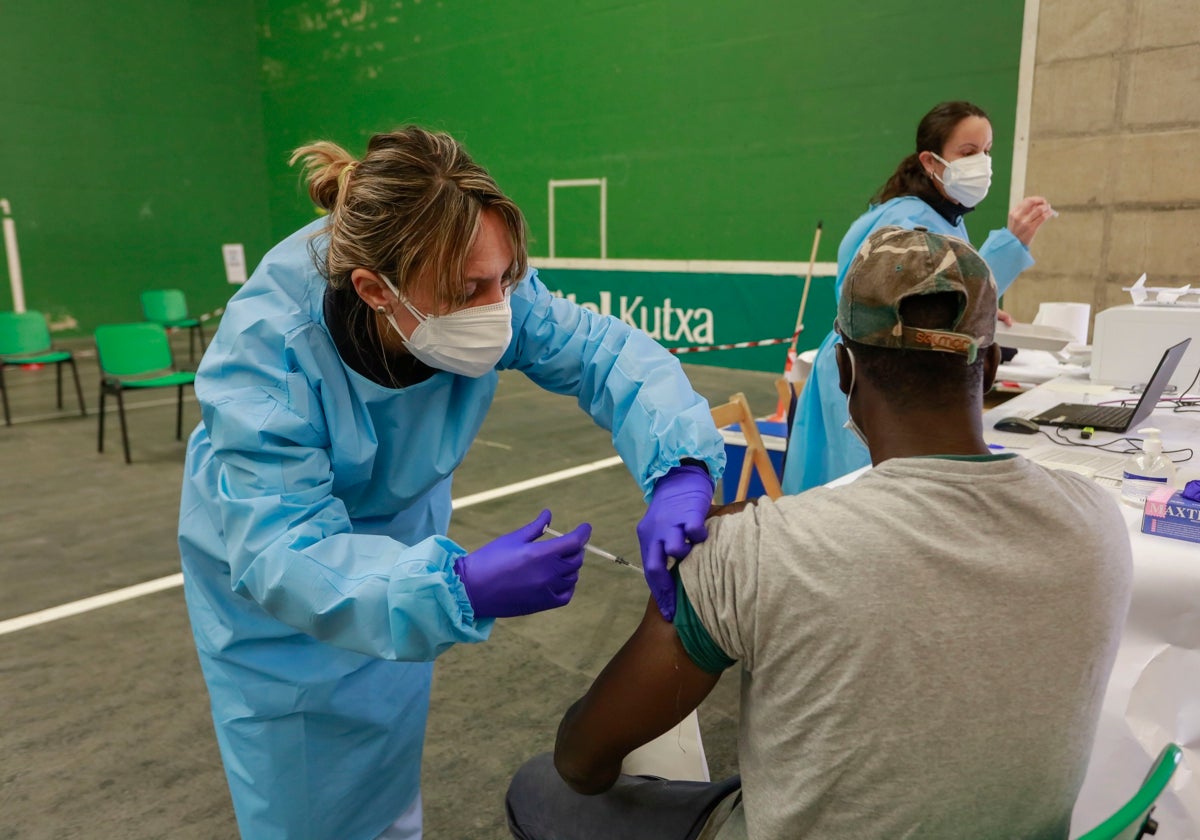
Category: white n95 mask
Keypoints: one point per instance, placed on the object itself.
(468, 341)
(967, 179)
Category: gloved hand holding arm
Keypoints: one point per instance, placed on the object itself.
(674, 521)
(519, 574)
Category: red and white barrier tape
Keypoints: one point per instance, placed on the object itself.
(737, 345)
(704, 348)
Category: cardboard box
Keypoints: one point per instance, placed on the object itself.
(1169, 514)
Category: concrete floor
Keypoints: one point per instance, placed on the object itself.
(104, 723)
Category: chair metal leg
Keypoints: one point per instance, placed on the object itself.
(78, 388)
(58, 377)
(191, 344)
(4, 396)
(179, 416)
(124, 434)
(100, 439)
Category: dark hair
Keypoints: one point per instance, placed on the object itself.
(912, 378)
(932, 133)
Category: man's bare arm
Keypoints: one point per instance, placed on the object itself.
(648, 687)
(731, 508)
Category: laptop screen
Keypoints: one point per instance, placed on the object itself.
(1158, 382)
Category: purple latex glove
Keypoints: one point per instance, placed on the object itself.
(673, 522)
(1191, 491)
(518, 574)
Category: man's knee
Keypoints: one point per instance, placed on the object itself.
(525, 793)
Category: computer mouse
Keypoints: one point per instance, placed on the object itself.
(1019, 425)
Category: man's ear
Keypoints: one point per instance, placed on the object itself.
(845, 371)
(991, 361)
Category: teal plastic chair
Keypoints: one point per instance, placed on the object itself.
(25, 340)
(137, 357)
(1134, 820)
(169, 308)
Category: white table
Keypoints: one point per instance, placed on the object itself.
(1153, 695)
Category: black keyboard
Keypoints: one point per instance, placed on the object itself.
(1107, 415)
(1113, 416)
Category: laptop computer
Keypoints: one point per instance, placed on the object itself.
(1115, 418)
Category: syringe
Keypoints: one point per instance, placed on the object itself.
(599, 552)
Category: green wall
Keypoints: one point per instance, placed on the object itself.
(136, 141)
(726, 131)
(131, 148)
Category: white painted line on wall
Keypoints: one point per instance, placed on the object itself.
(14, 258)
(602, 183)
(95, 602)
(577, 182)
(788, 269)
(1029, 30)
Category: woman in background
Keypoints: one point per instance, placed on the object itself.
(934, 187)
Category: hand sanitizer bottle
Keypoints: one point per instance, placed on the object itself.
(1147, 470)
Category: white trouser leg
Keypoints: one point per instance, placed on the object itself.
(407, 826)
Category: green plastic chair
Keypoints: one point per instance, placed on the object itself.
(169, 308)
(25, 340)
(136, 357)
(1134, 820)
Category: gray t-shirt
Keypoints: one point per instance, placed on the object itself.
(924, 651)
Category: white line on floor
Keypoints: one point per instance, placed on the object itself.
(529, 484)
(33, 619)
(492, 443)
(109, 408)
(95, 602)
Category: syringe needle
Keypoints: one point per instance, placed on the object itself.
(599, 552)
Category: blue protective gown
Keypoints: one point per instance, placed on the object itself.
(819, 449)
(318, 581)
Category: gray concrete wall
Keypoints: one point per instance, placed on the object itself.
(1115, 146)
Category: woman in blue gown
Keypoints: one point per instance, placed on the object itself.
(934, 187)
(346, 383)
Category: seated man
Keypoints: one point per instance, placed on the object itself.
(923, 651)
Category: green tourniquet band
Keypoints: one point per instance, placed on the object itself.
(999, 456)
(700, 646)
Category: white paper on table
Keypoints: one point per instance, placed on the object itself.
(1082, 386)
(1035, 336)
(676, 754)
(1037, 366)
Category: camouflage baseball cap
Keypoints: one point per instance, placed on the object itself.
(894, 263)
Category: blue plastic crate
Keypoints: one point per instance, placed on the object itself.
(774, 437)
